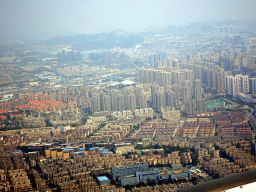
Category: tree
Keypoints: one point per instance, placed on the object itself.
(148, 119)
(194, 159)
(88, 110)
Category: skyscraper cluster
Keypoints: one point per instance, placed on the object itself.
(212, 68)
(154, 59)
(211, 75)
(69, 56)
(114, 100)
(165, 76)
(237, 84)
(188, 96)
(175, 88)
(98, 99)
(108, 56)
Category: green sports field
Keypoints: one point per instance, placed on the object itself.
(214, 103)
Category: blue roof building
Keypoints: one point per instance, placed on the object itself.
(103, 180)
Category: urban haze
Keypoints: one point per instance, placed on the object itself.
(127, 95)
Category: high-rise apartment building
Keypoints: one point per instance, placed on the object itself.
(232, 86)
(253, 86)
(153, 59)
(244, 83)
(165, 76)
(237, 84)
(197, 89)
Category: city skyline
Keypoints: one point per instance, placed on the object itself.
(90, 103)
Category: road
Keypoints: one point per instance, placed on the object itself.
(229, 101)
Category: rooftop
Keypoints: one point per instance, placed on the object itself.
(102, 178)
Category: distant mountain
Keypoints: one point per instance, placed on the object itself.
(245, 26)
(108, 40)
(123, 39)
(199, 28)
(235, 23)
(191, 29)
(10, 47)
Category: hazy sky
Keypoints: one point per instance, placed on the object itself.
(43, 19)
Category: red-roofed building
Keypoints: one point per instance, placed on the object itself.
(2, 117)
(16, 116)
